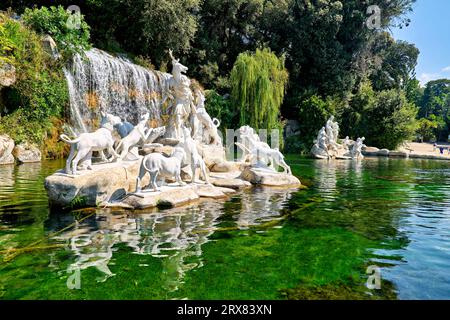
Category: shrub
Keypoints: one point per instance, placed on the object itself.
(220, 107)
(425, 129)
(391, 120)
(70, 31)
(314, 111)
(40, 93)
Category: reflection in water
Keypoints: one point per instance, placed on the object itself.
(386, 212)
(175, 236)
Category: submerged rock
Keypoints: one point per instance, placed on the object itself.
(26, 152)
(229, 180)
(6, 149)
(267, 177)
(172, 195)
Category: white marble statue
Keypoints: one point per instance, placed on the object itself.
(122, 127)
(157, 164)
(356, 152)
(193, 156)
(134, 138)
(182, 95)
(206, 126)
(260, 152)
(326, 145)
(82, 147)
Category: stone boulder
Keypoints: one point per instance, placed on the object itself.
(226, 166)
(370, 151)
(212, 154)
(383, 153)
(173, 195)
(26, 153)
(7, 74)
(398, 154)
(50, 47)
(229, 180)
(267, 177)
(169, 196)
(107, 182)
(6, 149)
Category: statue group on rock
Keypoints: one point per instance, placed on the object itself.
(327, 146)
(188, 130)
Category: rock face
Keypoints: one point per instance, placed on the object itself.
(267, 177)
(6, 149)
(26, 153)
(106, 182)
(7, 74)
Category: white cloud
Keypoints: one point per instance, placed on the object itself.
(427, 77)
(446, 69)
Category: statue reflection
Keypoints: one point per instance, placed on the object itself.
(175, 236)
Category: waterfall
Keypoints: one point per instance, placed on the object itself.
(98, 81)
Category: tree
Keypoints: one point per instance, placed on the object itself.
(435, 98)
(314, 112)
(258, 87)
(390, 120)
(426, 129)
(354, 114)
(414, 92)
(398, 62)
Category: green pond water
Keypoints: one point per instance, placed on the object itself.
(314, 243)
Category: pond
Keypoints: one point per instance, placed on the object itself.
(314, 243)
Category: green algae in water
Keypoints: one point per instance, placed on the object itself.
(261, 244)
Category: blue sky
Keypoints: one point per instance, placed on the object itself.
(430, 32)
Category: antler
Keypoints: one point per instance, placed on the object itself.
(171, 54)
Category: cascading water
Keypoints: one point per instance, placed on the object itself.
(98, 81)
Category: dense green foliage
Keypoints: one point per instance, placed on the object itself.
(336, 63)
(221, 108)
(386, 118)
(425, 129)
(314, 112)
(390, 120)
(39, 95)
(70, 31)
(258, 86)
(435, 106)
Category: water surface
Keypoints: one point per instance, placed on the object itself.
(259, 244)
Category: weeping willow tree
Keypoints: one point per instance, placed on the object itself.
(258, 86)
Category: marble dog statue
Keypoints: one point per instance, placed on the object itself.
(209, 126)
(135, 137)
(262, 151)
(123, 127)
(193, 156)
(82, 147)
(157, 164)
